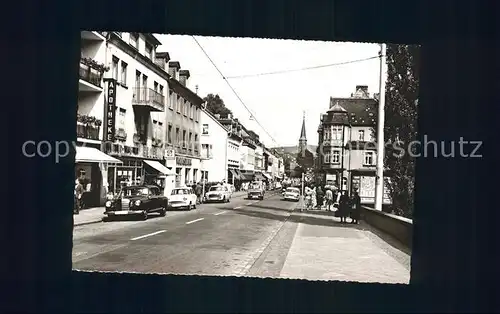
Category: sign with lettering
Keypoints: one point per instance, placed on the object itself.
(170, 154)
(182, 161)
(110, 111)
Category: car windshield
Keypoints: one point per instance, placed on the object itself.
(134, 192)
(255, 185)
(217, 188)
(179, 192)
(292, 190)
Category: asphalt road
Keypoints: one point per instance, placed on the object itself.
(243, 237)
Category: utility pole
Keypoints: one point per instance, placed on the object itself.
(379, 179)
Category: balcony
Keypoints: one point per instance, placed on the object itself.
(90, 75)
(148, 99)
(88, 127)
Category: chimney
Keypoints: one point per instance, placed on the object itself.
(161, 59)
(183, 77)
(229, 116)
(173, 69)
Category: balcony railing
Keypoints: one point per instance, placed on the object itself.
(90, 75)
(148, 98)
(87, 132)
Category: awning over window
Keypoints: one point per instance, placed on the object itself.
(267, 176)
(90, 154)
(259, 176)
(236, 176)
(159, 167)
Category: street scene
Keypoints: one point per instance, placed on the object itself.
(260, 167)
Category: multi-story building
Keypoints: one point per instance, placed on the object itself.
(91, 164)
(216, 147)
(135, 110)
(347, 145)
(183, 126)
(234, 149)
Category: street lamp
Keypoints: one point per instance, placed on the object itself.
(379, 179)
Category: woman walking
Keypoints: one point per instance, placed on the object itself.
(343, 206)
(355, 207)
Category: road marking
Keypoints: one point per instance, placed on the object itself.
(238, 207)
(148, 235)
(220, 213)
(190, 222)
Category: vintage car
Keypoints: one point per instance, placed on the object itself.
(218, 193)
(182, 198)
(137, 200)
(291, 194)
(256, 189)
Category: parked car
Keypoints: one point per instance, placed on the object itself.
(218, 193)
(256, 189)
(137, 200)
(292, 194)
(182, 198)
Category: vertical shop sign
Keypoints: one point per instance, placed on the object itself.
(110, 111)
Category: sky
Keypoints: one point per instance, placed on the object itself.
(277, 101)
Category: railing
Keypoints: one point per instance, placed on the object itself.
(87, 74)
(87, 132)
(149, 97)
(399, 228)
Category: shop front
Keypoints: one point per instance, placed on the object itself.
(91, 169)
(187, 171)
(363, 181)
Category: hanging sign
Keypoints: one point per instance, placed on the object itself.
(110, 111)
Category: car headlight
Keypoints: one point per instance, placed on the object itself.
(108, 204)
(137, 203)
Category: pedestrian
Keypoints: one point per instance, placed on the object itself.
(329, 199)
(198, 191)
(343, 206)
(355, 207)
(78, 196)
(319, 197)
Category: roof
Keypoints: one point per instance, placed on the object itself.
(303, 129)
(336, 107)
(362, 111)
(184, 91)
(152, 39)
(174, 64)
(163, 55)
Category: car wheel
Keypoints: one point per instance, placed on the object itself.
(190, 206)
(144, 215)
(163, 212)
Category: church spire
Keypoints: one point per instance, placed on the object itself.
(303, 138)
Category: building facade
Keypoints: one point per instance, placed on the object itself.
(347, 147)
(183, 127)
(91, 165)
(216, 148)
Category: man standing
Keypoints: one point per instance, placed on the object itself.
(329, 199)
(198, 192)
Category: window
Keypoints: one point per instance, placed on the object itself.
(369, 158)
(196, 113)
(169, 134)
(160, 131)
(114, 68)
(190, 141)
(185, 107)
(191, 111)
(178, 104)
(123, 78)
(149, 51)
(361, 135)
(184, 138)
(177, 136)
(337, 133)
(134, 40)
(155, 86)
(155, 128)
(335, 159)
(196, 142)
(171, 99)
(137, 79)
(161, 90)
(145, 86)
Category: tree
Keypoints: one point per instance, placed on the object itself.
(216, 105)
(401, 102)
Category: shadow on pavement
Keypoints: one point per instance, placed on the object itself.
(269, 207)
(130, 217)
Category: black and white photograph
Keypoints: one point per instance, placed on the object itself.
(245, 157)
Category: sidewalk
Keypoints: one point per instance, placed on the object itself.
(324, 249)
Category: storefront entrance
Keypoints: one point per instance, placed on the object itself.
(131, 172)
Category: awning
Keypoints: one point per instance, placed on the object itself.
(235, 174)
(267, 176)
(161, 168)
(90, 154)
(259, 176)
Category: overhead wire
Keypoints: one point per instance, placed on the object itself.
(234, 92)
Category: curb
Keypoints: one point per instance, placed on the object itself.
(87, 222)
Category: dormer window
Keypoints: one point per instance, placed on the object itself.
(134, 40)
